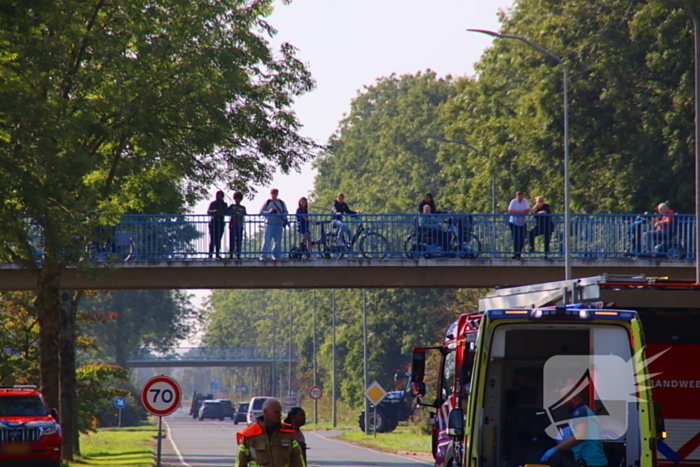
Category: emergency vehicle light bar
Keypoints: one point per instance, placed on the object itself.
(577, 313)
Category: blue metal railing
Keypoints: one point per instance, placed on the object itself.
(395, 236)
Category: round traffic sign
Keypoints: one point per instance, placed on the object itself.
(315, 392)
(161, 395)
(120, 402)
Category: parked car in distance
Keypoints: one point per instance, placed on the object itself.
(29, 431)
(255, 408)
(241, 414)
(228, 408)
(211, 408)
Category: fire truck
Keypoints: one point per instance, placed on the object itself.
(491, 407)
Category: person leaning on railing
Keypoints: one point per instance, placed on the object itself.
(663, 228)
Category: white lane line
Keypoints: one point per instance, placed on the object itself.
(367, 449)
(172, 441)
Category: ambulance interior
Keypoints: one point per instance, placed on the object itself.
(511, 432)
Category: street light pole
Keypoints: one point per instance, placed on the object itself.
(334, 414)
(365, 356)
(289, 350)
(696, 31)
(464, 143)
(567, 210)
(314, 340)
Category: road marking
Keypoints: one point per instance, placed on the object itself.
(368, 449)
(172, 441)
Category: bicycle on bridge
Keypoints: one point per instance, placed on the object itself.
(372, 245)
(457, 240)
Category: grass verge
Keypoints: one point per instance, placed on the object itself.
(133, 446)
(400, 439)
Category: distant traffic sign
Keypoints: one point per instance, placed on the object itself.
(316, 392)
(161, 395)
(289, 402)
(120, 402)
(375, 393)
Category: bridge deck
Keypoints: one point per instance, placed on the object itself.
(351, 273)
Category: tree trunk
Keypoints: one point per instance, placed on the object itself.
(48, 308)
(69, 405)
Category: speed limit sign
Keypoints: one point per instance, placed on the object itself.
(161, 395)
(315, 392)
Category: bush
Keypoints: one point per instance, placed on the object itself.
(418, 424)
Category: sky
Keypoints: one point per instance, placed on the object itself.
(349, 44)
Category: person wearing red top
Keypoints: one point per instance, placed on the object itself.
(663, 228)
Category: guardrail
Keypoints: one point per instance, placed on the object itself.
(393, 236)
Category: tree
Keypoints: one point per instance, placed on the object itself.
(111, 107)
(377, 155)
(19, 337)
(630, 108)
(122, 322)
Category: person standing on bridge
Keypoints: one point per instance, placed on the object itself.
(217, 210)
(303, 222)
(428, 200)
(543, 224)
(517, 209)
(267, 442)
(340, 207)
(236, 225)
(275, 212)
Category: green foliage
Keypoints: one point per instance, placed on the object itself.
(19, 337)
(397, 321)
(96, 388)
(134, 414)
(121, 322)
(377, 156)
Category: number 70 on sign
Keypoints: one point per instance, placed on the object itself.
(161, 395)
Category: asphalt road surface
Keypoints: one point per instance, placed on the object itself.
(212, 443)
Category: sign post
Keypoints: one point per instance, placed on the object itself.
(120, 403)
(161, 396)
(375, 393)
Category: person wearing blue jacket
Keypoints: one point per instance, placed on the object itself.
(585, 441)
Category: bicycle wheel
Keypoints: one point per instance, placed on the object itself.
(470, 249)
(331, 249)
(374, 246)
(130, 251)
(409, 247)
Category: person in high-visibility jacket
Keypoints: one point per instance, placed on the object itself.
(268, 442)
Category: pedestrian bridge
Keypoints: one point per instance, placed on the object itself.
(385, 251)
(211, 356)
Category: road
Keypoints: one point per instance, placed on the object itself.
(212, 443)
